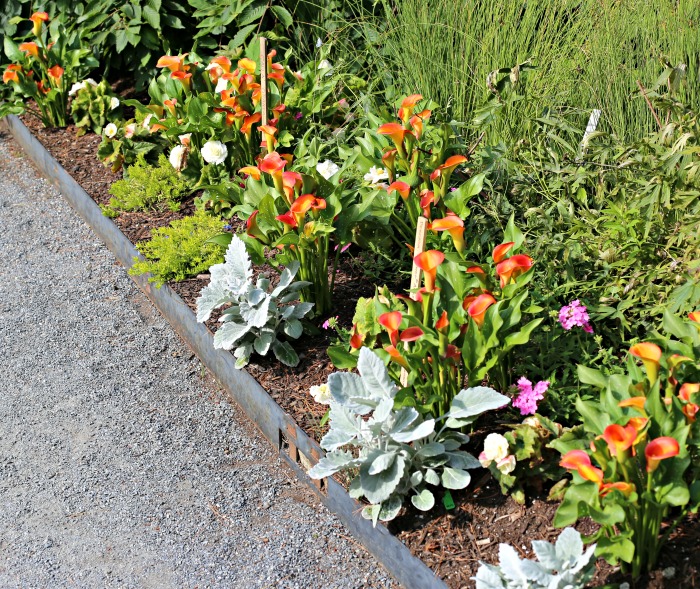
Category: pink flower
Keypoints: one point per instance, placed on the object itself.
(527, 400)
(575, 315)
(298, 115)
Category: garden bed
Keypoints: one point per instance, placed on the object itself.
(450, 542)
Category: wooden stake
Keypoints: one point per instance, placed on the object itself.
(263, 79)
(418, 248)
(651, 108)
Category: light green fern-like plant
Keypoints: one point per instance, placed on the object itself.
(257, 314)
(147, 187)
(180, 250)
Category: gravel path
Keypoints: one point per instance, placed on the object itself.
(121, 465)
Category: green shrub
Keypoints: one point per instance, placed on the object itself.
(147, 187)
(180, 250)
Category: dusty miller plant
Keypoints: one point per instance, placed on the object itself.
(256, 314)
(400, 453)
(563, 565)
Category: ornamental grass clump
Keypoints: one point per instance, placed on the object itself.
(637, 464)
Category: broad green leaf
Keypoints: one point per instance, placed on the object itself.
(424, 500)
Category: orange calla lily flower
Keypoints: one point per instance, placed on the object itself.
(401, 187)
(391, 322)
(396, 356)
(687, 389)
(429, 261)
(445, 170)
(10, 74)
(304, 204)
(251, 171)
(170, 105)
(649, 354)
(625, 488)
(411, 334)
(619, 439)
(580, 461)
(272, 163)
(443, 322)
(396, 133)
(55, 73)
(660, 449)
(690, 410)
(38, 19)
(636, 402)
(183, 77)
(248, 123)
(694, 316)
(30, 48)
(248, 65)
(407, 106)
(427, 198)
(500, 251)
(251, 225)
(478, 307)
(454, 226)
(356, 340)
(175, 63)
(270, 140)
(219, 66)
(510, 268)
(417, 121)
(288, 219)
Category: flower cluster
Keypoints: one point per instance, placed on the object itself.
(529, 396)
(575, 314)
(496, 450)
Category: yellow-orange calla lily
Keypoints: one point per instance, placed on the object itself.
(501, 251)
(31, 48)
(391, 322)
(396, 133)
(252, 171)
(10, 74)
(429, 261)
(580, 461)
(402, 188)
(175, 63)
(55, 73)
(38, 19)
(649, 354)
(454, 226)
(619, 439)
(510, 268)
(478, 307)
(183, 77)
(660, 449)
(408, 105)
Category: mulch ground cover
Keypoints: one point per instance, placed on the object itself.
(450, 542)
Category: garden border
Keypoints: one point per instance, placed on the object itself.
(292, 443)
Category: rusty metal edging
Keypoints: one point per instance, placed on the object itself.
(298, 450)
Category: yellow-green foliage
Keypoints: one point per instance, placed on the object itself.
(147, 187)
(179, 251)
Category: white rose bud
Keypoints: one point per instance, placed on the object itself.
(177, 157)
(111, 130)
(495, 447)
(147, 122)
(113, 103)
(214, 152)
(321, 394)
(130, 130)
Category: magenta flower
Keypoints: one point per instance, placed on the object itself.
(528, 397)
(575, 314)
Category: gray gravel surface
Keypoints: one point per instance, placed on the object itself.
(120, 464)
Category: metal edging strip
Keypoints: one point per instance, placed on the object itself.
(294, 445)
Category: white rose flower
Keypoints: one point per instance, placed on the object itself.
(319, 43)
(130, 130)
(75, 88)
(495, 447)
(177, 157)
(90, 81)
(376, 175)
(113, 103)
(507, 465)
(327, 169)
(214, 152)
(221, 85)
(111, 130)
(321, 394)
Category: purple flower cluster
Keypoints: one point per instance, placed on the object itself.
(527, 400)
(575, 314)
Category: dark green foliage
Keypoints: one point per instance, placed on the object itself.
(147, 187)
(180, 250)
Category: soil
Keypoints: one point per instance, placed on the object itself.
(451, 542)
